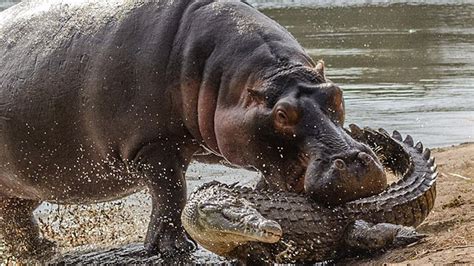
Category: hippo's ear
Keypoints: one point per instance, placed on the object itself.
(320, 69)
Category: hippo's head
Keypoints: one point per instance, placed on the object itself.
(292, 131)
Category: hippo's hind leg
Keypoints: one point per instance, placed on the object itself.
(165, 169)
(20, 231)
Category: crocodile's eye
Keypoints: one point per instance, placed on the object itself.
(235, 202)
(208, 207)
(244, 202)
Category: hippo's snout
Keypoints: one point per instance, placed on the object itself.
(348, 176)
(359, 164)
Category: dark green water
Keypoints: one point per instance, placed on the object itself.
(406, 67)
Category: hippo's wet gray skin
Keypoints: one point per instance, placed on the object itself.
(101, 99)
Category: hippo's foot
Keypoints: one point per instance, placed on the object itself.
(169, 245)
(44, 249)
(20, 231)
(40, 249)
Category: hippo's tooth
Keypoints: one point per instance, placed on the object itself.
(419, 147)
(396, 135)
(409, 141)
(383, 131)
(427, 154)
(355, 130)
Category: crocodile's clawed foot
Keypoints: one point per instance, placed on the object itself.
(406, 236)
(367, 236)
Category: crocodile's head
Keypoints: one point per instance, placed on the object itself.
(220, 221)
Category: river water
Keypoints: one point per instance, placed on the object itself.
(407, 66)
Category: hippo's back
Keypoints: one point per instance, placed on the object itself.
(74, 77)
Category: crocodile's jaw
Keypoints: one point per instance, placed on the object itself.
(223, 238)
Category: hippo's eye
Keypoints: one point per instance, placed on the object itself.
(285, 115)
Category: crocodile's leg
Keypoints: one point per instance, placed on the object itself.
(21, 232)
(367, 236)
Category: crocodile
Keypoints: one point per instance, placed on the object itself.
(285, 227)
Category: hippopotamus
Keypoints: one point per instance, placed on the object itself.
(100, 99)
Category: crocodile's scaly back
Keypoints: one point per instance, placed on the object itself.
(408, 201)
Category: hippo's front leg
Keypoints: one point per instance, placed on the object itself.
(164, 169)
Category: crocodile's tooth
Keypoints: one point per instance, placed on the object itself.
(409, 140)
(383, 131)
(427, 154)
(434, 168)
(396, 135)
(419, 147)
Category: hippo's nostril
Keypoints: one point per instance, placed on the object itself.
(339, 164)
(364, 157)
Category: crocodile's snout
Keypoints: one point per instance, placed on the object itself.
(270, 231)
(242, 220)
(218, 219)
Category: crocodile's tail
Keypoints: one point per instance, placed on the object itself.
(408, 201)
